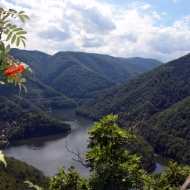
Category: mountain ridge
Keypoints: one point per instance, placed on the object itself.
(154, 91)
(67, 71)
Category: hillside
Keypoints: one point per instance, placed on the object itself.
(17, 124)
(156, 91)
(40, 95)
(35, 59)
(13, 176)
(170, 135)
(80, 75)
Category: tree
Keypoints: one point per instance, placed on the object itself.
(114, 168)
(11, 70)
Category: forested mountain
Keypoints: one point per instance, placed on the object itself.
(171, 132)
(81, 75)
(13, 176)
(18, 124)
(35, 59)
(155, 91)
(40, 95)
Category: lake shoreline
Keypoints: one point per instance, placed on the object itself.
(48, 135)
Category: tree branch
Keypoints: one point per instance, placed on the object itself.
(80, 160)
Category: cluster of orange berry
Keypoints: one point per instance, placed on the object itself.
(11, 72)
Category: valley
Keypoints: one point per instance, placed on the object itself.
(95, 85)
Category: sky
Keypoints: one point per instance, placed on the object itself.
(158, 29)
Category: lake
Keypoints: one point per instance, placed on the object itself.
(49, 153)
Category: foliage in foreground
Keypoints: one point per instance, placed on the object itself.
(114, 168)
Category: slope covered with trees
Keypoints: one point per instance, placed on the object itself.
(17, 124)
(115, 168)
(155, 92)
(40, 95)
(13, 176)
(170, 135)
(81, 75)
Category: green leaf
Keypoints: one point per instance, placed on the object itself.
(12, 27)
(22, 80)
(12, 10)
(23, 37)
(21, 32)
(7, 49)
(21, 12)
(9, 36)
(4, 57)
(6, 31)
(13, 39)
(18, 42)
(2, 158)
(17, 29)
(21, 18)
(8, 25)
(23, 43)
(27, 17)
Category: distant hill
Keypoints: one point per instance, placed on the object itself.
(144, 62)
(162, 92)
(80, 75)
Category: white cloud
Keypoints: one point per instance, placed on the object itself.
(91, 26)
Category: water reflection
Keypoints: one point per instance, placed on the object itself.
(49, 153)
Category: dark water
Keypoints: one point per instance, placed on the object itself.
(49, 153)
(160, 163)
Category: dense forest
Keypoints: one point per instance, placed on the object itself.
(80, 75)
(13, 176)
(40, 95)
(163, 93)
(17, 124)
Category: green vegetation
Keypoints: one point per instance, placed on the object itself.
(17, 124)
(40, 95)
(113, 167)
(80, 75)
(13, 176)
(165, 127)
(170, 135)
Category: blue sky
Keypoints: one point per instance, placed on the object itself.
(157, 29)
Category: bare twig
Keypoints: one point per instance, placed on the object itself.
(80, 160)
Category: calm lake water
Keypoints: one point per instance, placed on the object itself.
(49, 153)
